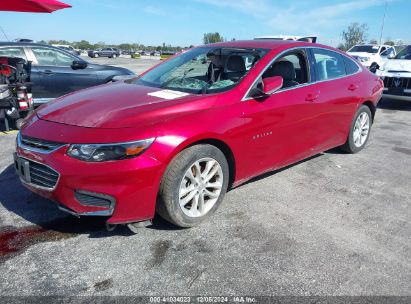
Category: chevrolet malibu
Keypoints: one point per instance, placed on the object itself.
(174, 139)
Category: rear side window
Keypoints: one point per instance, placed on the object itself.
(328, 64)
(13, 52)
(350, 66)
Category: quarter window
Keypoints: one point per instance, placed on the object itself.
(50, 57)
(350, 66)
(13, 52)
(328, 64)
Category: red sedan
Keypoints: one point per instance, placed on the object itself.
(175, 138)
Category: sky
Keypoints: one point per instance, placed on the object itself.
(183, 22)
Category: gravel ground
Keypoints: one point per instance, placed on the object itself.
(335, 224)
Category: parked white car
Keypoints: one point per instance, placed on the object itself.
(370, 55)
(396, 74)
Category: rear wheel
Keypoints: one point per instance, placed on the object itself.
(193, 185)
(359, 131)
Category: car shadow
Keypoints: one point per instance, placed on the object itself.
(394, 105)
(45, 215)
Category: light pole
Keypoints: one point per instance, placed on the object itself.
(383, 21)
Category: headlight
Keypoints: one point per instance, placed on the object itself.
(105, 152)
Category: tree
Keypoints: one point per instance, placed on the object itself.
(389, 42)
(400, 42)
(212, 38)
(341, 47)
(354, 34)
(373, 41)
(82, 45)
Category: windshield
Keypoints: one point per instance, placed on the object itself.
(405, 53)
(203, 70)
(373, 49)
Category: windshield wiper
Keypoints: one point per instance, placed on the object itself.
(205, 87)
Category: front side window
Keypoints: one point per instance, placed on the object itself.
(328, 64)
(203, 70)
(292, 68)
(13, 52)
(50, 57)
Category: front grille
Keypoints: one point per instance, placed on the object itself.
(36, 174)
(94, 199)
(397, 82)
(39, 144)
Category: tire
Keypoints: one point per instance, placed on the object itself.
(357, 139)
(181, 175)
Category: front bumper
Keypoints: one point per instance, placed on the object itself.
(129, 186)
(406, 95)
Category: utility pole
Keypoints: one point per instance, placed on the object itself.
(383, 21)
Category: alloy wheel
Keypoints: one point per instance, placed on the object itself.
(200, 187)
(361, 129)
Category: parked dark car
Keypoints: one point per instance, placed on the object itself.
(56, 72)
(128, 52)
(104, 52)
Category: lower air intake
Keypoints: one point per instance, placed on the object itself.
(94, 199)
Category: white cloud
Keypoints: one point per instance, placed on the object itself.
(303, 18)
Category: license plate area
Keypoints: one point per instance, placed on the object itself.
(396, 91)
(22, 167)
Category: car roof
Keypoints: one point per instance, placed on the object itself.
(264, 44)
(7, 43)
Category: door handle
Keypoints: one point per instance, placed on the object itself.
(312, 97)
(47, 72)
(353, 87)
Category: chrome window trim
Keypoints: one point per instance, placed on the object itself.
(28, 148)
(246, 97)
(37, 186)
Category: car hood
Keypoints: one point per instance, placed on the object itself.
(398, 65)
(118, 105)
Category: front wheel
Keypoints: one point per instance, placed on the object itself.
(193, 185)
(359, 131)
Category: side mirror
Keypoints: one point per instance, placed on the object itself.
(78, 65)
(272, 84)
(390, 56)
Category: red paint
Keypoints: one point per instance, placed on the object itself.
(263, 135)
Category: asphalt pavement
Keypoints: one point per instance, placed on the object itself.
(335, 224)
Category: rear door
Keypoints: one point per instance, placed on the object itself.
(337, 97)
(57, 76)
(22, 52)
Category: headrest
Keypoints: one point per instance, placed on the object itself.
(235, 63)
(285, 69)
